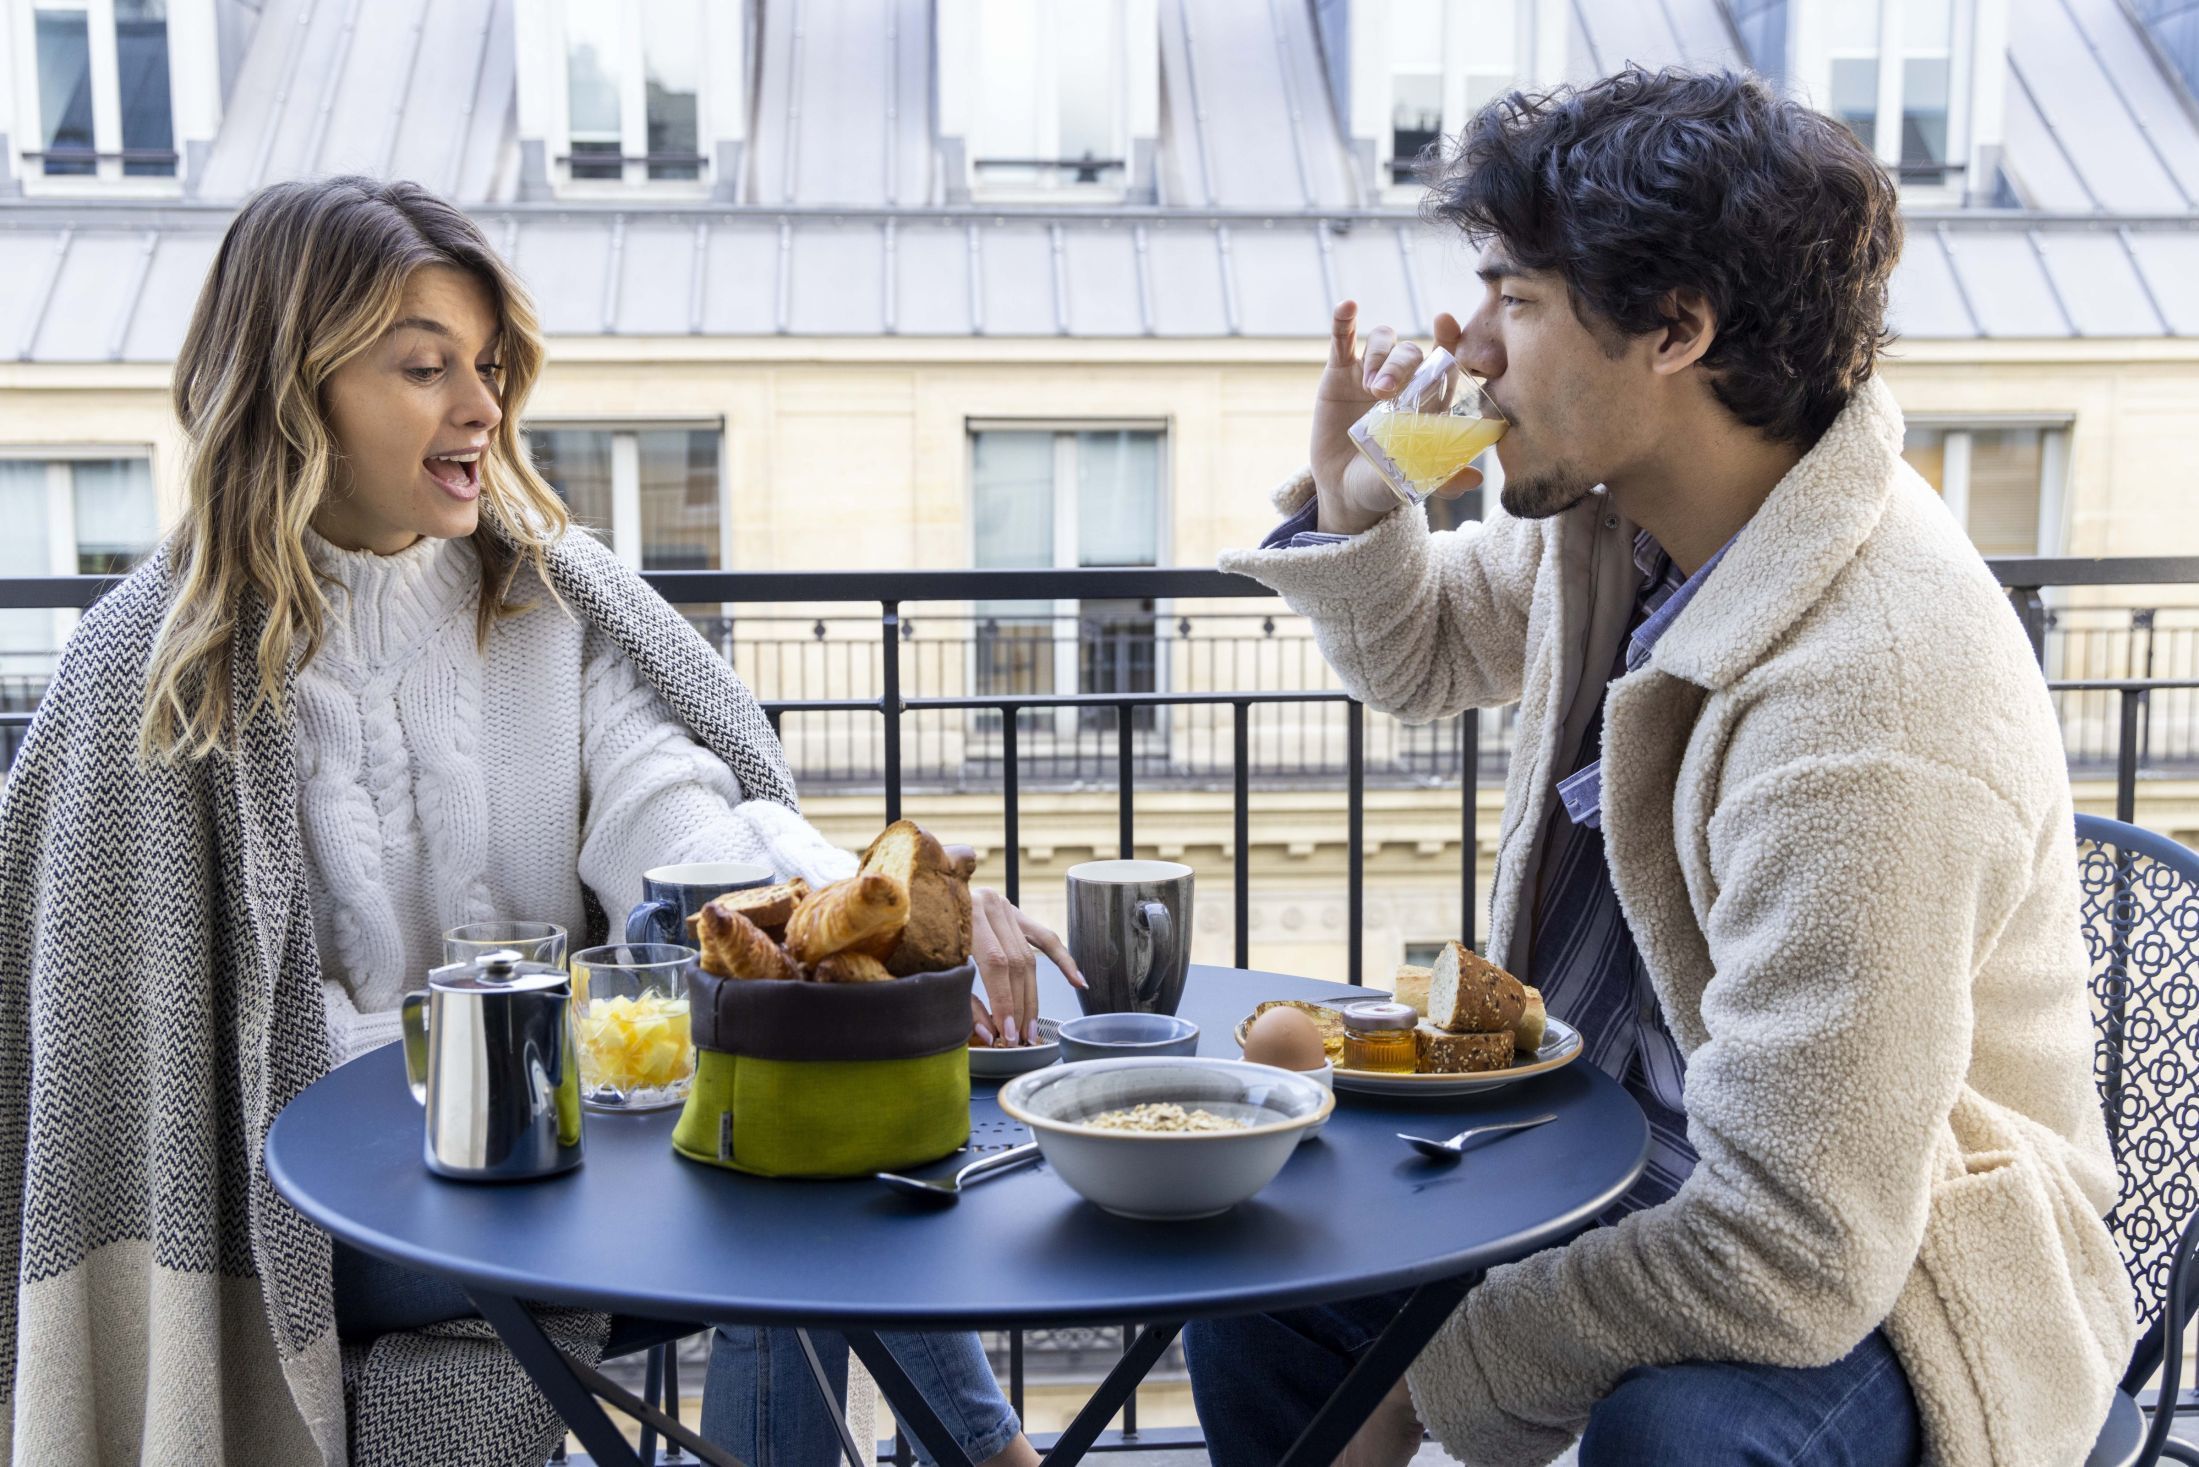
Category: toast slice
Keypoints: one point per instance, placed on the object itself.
(939, 931)
(1412, 986)
(1445, 1053)
(1468, 994)
(766, 906)
(1534, 1021)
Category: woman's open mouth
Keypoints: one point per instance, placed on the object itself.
(459, 474)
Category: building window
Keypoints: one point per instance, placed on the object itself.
(1050, 114)
(1895, 93)
(102, 92)
(2001, 482)
(68, 516)
(1446, 60)
(653, 494)
(633, 90)
(1060, 497)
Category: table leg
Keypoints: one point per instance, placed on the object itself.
(834, 1406)
(1129, 1372)
(1381, 1367)
(909, 1406)
(577, 1392)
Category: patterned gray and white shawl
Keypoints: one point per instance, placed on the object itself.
(160, 1001)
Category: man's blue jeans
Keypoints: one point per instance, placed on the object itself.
(1257, 1381)
(760, 1403)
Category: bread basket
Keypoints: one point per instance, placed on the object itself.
(798, 1079)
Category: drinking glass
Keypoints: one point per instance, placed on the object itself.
(535, 942)
(630, 1013)
(1420, 439)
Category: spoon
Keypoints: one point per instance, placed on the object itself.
(977, 1170)
(1451, 1150)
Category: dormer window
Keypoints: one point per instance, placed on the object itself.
(634, 90)
(1431, 65)
(1896, 91)
(1046, 99)
(102, 101)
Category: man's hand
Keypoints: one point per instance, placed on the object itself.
(1353, 496)
(1002, 942)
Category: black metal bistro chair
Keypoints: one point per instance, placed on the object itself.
(2140, 894)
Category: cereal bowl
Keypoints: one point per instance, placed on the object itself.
(1260, 1114)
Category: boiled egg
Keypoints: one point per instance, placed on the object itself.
(1285, 1039)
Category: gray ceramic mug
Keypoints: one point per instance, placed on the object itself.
(1130, 932)
(672, 894)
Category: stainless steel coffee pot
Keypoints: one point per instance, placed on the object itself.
(489, 1050)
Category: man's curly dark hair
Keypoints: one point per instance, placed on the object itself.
(1649, 182)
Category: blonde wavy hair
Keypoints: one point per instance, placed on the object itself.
(309, 275)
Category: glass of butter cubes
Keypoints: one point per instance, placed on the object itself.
(630, 1013)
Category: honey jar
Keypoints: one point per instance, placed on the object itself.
(1379, 1037)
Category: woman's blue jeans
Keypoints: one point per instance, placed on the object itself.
(760, 1403)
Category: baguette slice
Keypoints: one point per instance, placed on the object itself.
(1412, 986)
(1533, 1021)
(939, 931)
(768, 907)
(1468, 994)
(734, 947)
(851, 968)
(1445, 1053)
(863, 914)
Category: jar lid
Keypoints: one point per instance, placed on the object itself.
(502, 971)
(1378, 1017)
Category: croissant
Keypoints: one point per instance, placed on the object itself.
(768, 907)
(851, 968)
(862, 914)
(734, 947)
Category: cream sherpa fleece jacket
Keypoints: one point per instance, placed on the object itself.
(1838, 821)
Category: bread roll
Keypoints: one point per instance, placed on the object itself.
(938, 932)
(766, 906)
(1533, 1020)
(734, 947)
(862, 914)
(1445, 1053)
(851, 968)
(1412, 986)
(1468, 994)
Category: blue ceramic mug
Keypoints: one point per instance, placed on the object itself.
(672, 894)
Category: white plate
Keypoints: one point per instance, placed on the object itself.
(1002, 1064)
(1561, 1045)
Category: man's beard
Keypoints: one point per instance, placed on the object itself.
(1540, 496)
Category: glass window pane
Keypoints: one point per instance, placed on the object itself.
(1006, 130)
(1416, 120)
(1850, 26)
(1926, 451)
(1926, 26)
(671, 53)
(23, 552)
(679, 499)
(2005, 464)
(1012, 498)
(64, 91)
(577, 462)
(592, 72)
(1855, 96)
(1416, 34)
(141, 59)
(117, 523)
(1118, 498)
(1088, 82)
(1924, 113)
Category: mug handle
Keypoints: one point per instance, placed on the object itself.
(1160, 934)
(413, 1019)
(643, 922)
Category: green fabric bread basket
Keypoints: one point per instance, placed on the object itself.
(827, 1079)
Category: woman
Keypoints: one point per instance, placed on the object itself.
(371, 687)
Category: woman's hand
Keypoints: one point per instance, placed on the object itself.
(1002, 941)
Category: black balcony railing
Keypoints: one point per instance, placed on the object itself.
(2117, 673)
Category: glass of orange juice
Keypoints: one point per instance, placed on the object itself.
(630, 1016)
(1420, 439)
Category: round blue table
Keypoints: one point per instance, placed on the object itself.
(638, 1231)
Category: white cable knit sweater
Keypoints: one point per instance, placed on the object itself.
(443, 783)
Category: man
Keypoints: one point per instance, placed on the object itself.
(1787, 834)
